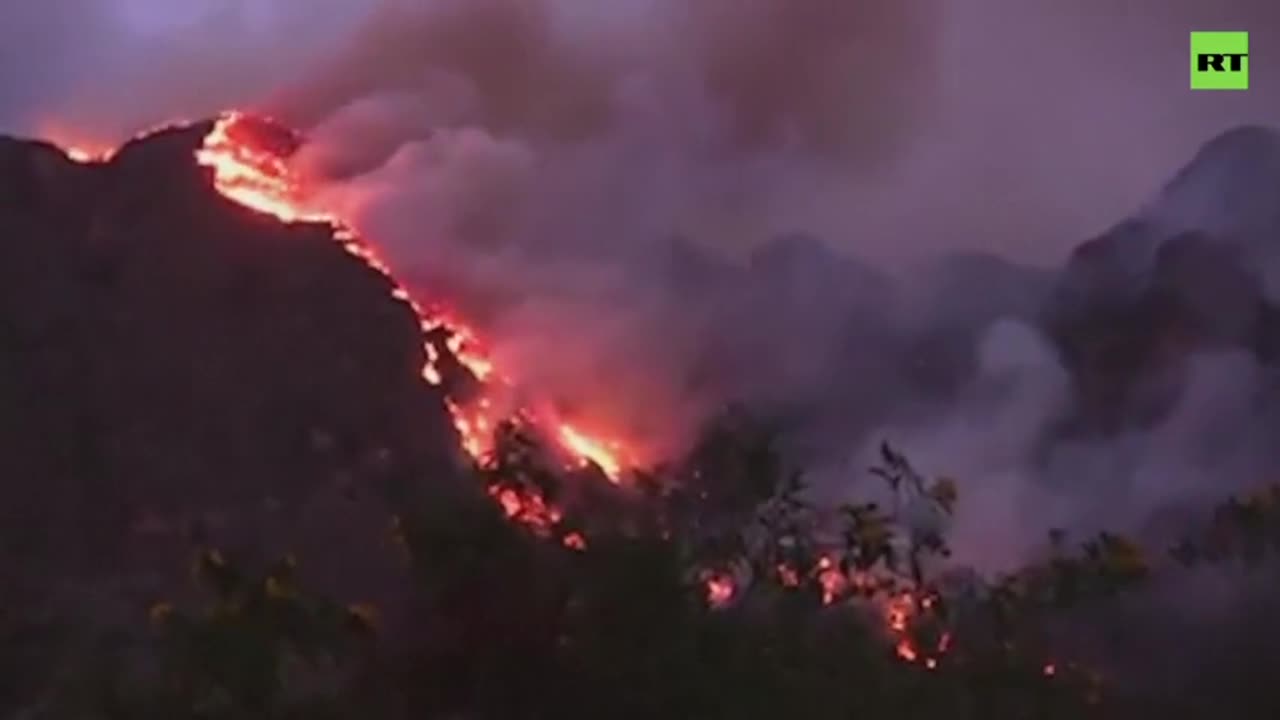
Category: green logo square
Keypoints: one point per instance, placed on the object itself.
(1219, 61)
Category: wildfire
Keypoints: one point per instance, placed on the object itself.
(249, 158)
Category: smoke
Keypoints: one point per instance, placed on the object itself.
(1021, 126)
(534, 162)
(1022, 477)
(602, 188)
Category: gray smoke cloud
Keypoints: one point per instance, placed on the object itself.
(599, 187)
(1067, 116)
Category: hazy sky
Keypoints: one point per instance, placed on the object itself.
(1043, 121)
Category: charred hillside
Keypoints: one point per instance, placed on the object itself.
(176, 368)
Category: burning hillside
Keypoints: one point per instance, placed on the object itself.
(249, 158)
(512, 359)
(249, 161)
(278, 315)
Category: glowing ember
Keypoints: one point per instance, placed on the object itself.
(475, 426)
(719, 588)
(899, 609)
(788, 576)
(575, 541)
(249, 159)
(87, 156)
(526, 507)
(906, 651)
(833, 581)
(899, 612)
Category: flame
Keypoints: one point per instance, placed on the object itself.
(900, 611)
(253, 176)
(249, 159)
(76, 147)
(527, 507)
(832, 581)
(907, 651)
(720, 589)
(589, 449)
(86, 155)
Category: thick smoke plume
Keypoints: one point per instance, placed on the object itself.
(625, 199)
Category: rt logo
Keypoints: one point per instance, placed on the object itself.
(1219, 61)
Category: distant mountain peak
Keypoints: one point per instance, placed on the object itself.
(1230, 188)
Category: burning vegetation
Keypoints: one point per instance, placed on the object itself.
(249, 159)
(608, 576)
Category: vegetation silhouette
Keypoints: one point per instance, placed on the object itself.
(830, 612)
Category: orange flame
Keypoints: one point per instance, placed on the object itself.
(591, 450)
(720, 589)
(253, 176)
(249, 160)
(907, 651)
(527, 507)
(833, 581)
(900, 610)
(76, 147)
(87, 156)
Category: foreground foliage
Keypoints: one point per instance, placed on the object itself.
(708, 590)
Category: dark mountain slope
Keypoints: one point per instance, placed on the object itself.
(175, 368)
(1195, 270)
